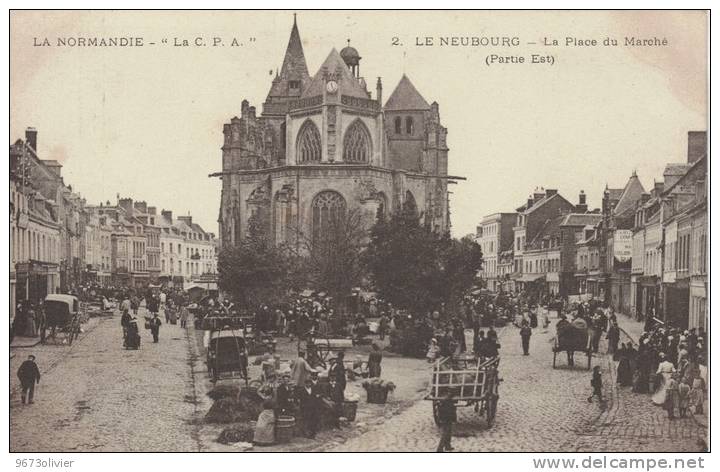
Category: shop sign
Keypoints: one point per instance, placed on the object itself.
(622, 245)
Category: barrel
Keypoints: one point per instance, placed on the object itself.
(284, 429)
(350, 410)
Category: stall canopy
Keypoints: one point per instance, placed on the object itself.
(200, 285)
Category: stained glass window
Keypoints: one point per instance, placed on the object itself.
(309, 147)
(356, 146)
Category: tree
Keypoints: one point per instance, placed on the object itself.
(417, 269)
(331, 259)
(254, 271)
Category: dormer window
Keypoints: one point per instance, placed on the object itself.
(294, 84)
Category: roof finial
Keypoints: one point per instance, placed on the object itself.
(348, 42)
(295, 19)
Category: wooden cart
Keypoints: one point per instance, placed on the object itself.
(470, 380)
(320, 350)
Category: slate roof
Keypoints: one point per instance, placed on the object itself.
(294, 66)
(632, 192)
(405, 97)
(347, 84)
(581, 219)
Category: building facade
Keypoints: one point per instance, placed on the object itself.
(495, 235)
(324, 145)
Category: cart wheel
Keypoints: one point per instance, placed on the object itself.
(436, 412)
(323, 351)
(490, 410)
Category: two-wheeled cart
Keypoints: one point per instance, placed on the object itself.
(469, 380)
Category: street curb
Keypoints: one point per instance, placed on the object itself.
(25, 346)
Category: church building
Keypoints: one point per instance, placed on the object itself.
(323, 145)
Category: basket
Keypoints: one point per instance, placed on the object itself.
(350, 410)
(377, 396)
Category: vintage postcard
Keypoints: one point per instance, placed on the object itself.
(358, 231)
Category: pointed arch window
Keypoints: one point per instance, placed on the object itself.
(409, 125)
(309, 147)
(328, 207)
(356, 145)
(398, 125)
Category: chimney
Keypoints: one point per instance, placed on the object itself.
(530, 202)
(550, 192)
(244, 108)
(167, 214)
(251, 112)
(538, 194)
(141, 207)
(697, 145)
(186, 219)
(31, 138)
(581, 207)
(378, 91)
(126, 204)
(152, 210)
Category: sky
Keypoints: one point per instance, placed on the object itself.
(146, 122)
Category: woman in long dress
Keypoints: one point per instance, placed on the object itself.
(374, 361)
(664, 374)
(624, 370)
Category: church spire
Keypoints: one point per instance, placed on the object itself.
(294, 66)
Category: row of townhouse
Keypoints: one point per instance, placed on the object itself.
(643, 253)
(668, 276)
(59, 242)
(47, 226)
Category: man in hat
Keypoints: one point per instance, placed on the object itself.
(29, 375)
(155, 327)
(310, 401)
(447, 415)
(525, 333)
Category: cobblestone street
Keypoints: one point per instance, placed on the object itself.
(98, 396)
(542, 409)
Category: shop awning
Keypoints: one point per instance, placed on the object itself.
(532, 277)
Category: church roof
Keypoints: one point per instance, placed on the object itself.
(406, 97)
(347, 84)
(631, 194)
(294, 66)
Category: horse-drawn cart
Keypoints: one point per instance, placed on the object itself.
(571, 338)
(62, 315)
(467, 379)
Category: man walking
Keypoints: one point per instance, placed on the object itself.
(525, 333)
(29, 375)
(155, 327)
(596, 384)
(447, 415)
